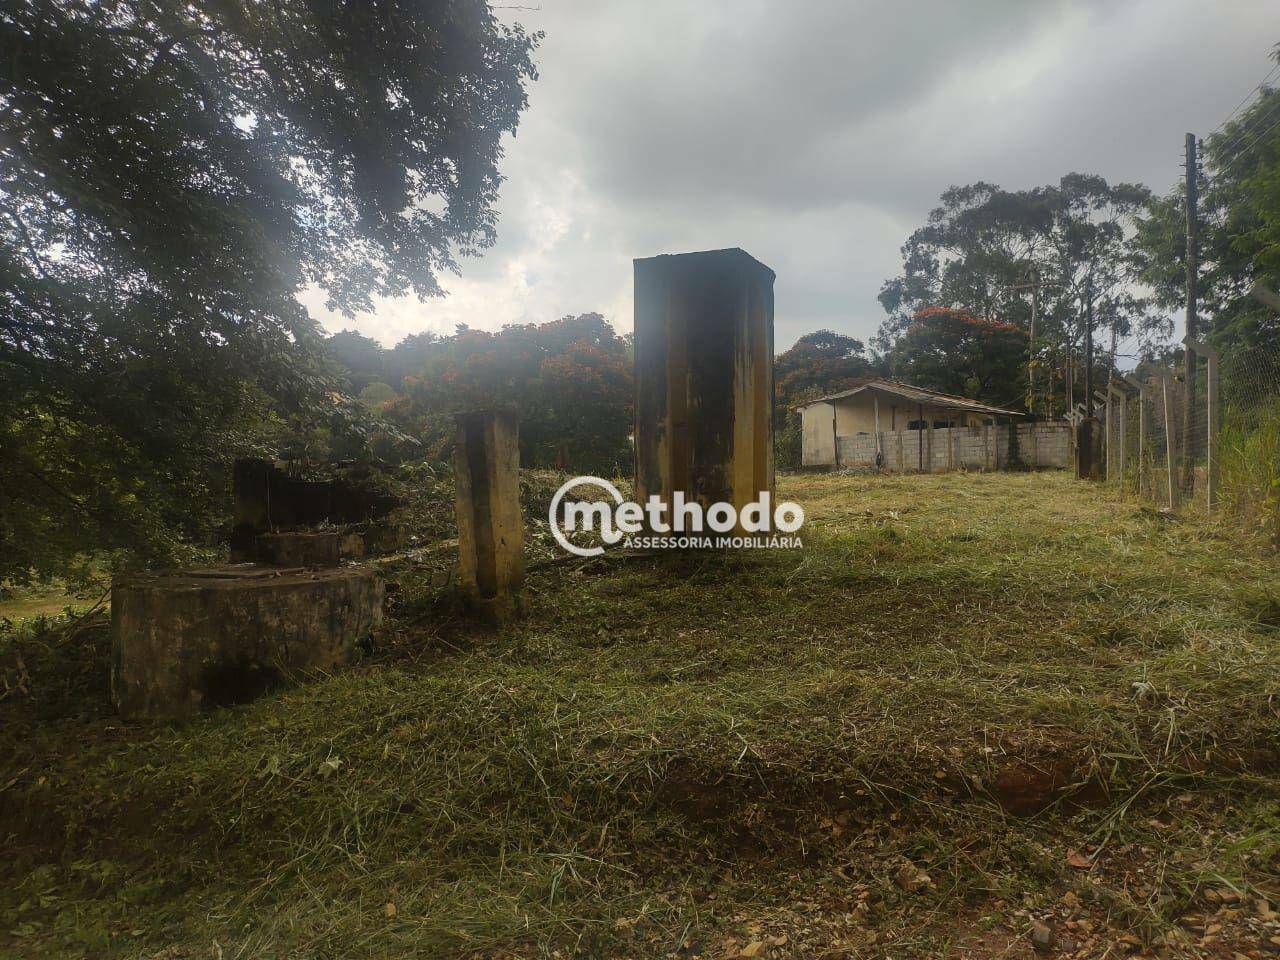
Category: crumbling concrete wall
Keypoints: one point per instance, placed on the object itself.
(310, 548)
(267, 499)
(185, 642)
(704, 377)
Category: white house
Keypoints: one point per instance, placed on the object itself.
(899, 427)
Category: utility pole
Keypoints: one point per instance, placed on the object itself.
(1189, 357)
(1031, 346)
(1068, 381)
(1088, 347)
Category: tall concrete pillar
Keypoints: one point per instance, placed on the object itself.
(486, 463)
(704, 377)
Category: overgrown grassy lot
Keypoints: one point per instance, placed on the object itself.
(969, 706)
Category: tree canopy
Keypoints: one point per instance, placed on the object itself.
(1239, 238)
(570, 380)
(171, 176)
(983, 247)
(954, 352)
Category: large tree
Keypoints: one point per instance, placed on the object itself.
(1239, 240)
(954, 352)
(171, 176)
(983, 247)
(570, 380)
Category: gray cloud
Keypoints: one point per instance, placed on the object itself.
(817, 135)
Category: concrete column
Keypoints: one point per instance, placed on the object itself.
(1088, 436)
(486, 465)
(704, 377)
(251, 507)
(1211, 420)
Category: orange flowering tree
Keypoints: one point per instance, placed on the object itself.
(953, 351)
(570, 380)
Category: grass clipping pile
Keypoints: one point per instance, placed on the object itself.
(992, 715)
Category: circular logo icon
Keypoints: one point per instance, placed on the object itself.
(606, 517)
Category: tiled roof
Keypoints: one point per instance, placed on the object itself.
(915, 395)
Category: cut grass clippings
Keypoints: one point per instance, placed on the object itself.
(1048, 705)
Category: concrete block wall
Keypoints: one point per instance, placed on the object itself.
(958, 448)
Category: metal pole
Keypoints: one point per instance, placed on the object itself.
(1031, 349)
(1088, 347)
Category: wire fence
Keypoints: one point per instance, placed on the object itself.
(1219, 455)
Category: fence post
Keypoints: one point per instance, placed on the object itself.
(1211, 417)
(1142, 429)
(486, 464)
(1107, 436)
(1171, 467)
(1117, 399)
(1124, 438)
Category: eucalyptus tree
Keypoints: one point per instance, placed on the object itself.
(1062, 251)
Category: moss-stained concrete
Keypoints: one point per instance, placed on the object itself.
(185, 642)
(704, 377)
(490, 524)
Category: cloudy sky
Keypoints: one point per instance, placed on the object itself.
(818, 135)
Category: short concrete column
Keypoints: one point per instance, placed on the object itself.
(1089, 449)
(486, 464)
(704, 377)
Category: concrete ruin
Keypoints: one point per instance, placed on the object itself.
(189, 641)
(486, 464)
(275, 516)
(704, 377)
(1089, 449)
(309, 548)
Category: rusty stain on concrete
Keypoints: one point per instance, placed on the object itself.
(490, 525)
(704, 377)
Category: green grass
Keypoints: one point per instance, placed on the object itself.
(26, 603)
(1250, 468)
(973, 674)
